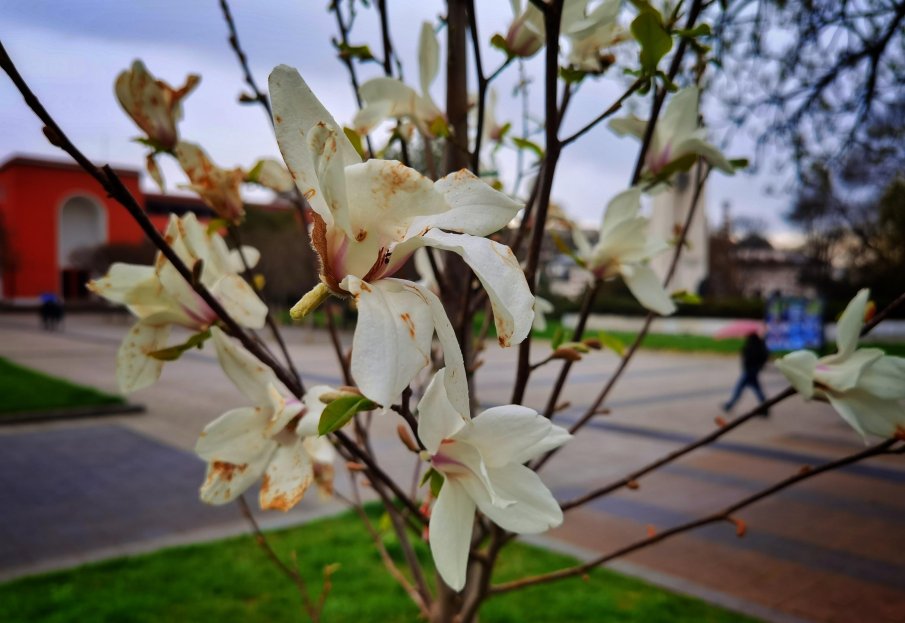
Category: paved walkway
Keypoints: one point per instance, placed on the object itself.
(826, 551)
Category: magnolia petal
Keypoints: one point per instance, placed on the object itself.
(240, 301)
(499, 272)
(645, 286)
(121, 280)
(885, 378)
(237, 436)
(385, 197)
(372, 115)
(282, 410)
(584, 26)
(287, 478)
(869, 414)
(296, 110)
(401, 98)
(250, 376)
(330, 168)
(225, 482)
(624, 206)
(271, 174)
(582, 245)
(507, 434)
(848, 328)
(463, 461)
(196, 314)
(621, 240)
(473, 207)
(843, 374)
(705, 150)
(451, 524)
(680, 119)
(542, 307)
(392, 340)
(134, 368)
(454, 378)
(438, 418)
(534, 509)
(251, 255)
(428, 56)
(314, 408)
(631, 126)
(799, 368)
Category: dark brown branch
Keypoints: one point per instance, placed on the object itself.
(348, 61)
(257, 94)
(719, 516)
(617, 105)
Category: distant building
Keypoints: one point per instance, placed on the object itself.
(52, 212)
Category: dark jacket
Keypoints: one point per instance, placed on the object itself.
(754, 353)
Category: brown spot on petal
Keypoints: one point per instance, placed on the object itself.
(361, 235)
(408, 323)
(226, 471)
(278, 119)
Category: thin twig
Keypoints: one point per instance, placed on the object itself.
(289, 572)
(719, 516)
(257, 94)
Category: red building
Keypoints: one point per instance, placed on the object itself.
(52, 212)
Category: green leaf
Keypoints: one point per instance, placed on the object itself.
(361, 52)
(436, 482)
(252, 176)
(686, 297)
(739, 163)
(612, 342)
(655, 42)
(701, 30)
(524, 143)
(558, 335)
(173, 353)
(355, 138)
(572, 75)
(498, 41)
(340, 411)
(216, 224)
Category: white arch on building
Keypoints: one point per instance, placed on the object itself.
(81, 223)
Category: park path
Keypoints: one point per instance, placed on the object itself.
(827, 551)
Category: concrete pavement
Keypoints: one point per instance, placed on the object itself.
(826, 551)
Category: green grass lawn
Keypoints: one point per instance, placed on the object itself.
(231, 580)
(22, 390)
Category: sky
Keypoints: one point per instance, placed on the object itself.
(70, 53)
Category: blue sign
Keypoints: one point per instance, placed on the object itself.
(793, 323)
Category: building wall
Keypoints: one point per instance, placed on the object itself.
(31, 197)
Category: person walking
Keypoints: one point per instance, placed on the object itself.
(754, 358)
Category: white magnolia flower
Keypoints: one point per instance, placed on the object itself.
(369, 217)
(589, 34)
(525, 36)
(388, 98)
(153, 104)
(678, 140)
(482, 462)
(275, 439)
(864, 385)
(623, 248)
(161, 298)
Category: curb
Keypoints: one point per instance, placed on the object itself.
(70, 413)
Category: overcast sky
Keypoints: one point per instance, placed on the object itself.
(70, 52)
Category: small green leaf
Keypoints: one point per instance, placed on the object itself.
(252, 176)
(581, 347)
(172, 353)
(686, 297)
(499, 42)
(655, 42)
(558, 335)
(216, 224)
(572, 75)
(355, 138)
(739, 163)
(701, 30)
(361, 52)
(505, 130)
(612, 342)
(340, 411)
(436, 482)
(524, 143)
